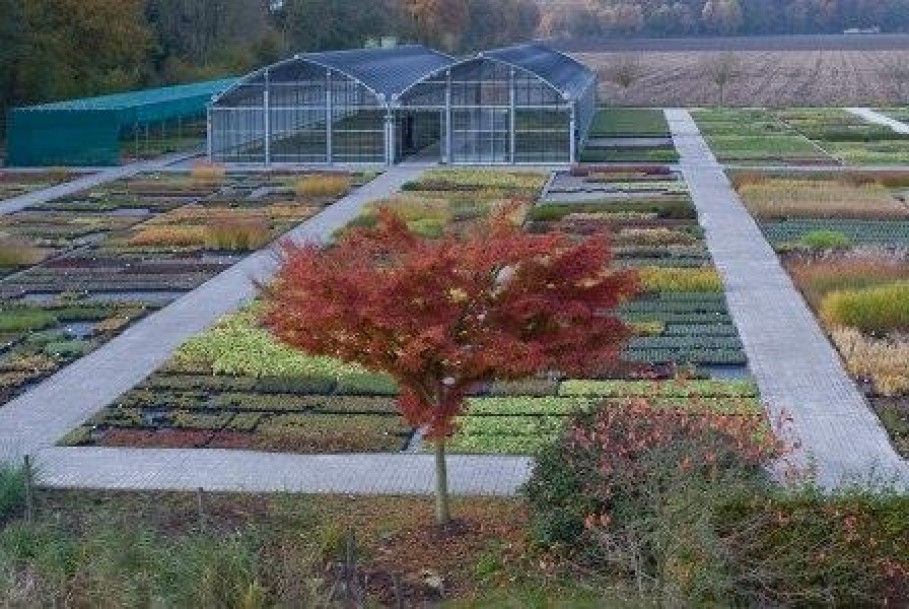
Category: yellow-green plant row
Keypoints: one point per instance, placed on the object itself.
(480, 179)
(880, 309)
(237, 346)
(665, 279)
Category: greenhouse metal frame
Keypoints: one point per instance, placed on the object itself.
(525, 104)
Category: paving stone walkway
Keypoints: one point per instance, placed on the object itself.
(103, 176)
(34, 422)
(879, 119)
(796, 368)
(233, 470)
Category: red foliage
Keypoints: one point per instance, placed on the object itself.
(440, 315)
(621, 438)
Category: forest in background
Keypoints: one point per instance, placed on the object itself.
(59, 49)
(658, 18)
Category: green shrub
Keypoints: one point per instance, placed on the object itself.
(68, 348)
(880, 309)
(19, 320)
(819, 240)
(678, 508)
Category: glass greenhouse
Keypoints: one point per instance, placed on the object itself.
(522, 104)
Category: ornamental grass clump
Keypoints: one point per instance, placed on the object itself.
(207, 174)
(168, 236)
(237, 234)
(876, 310)
(883, 360)
(17, 253)
(323, 185)
(818, 277)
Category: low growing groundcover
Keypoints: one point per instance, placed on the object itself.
(78, 270)
(800, 136)
(233, 386)
(629, 135)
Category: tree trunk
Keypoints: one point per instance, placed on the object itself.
(443, 512)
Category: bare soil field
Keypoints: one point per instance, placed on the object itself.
(756, 78)
(794, 42)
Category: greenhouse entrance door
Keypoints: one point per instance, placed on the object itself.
(418, 136)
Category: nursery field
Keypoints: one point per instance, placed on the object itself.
(799, 136)
(845, 241)
(233, 386)
(77, 271)
(638, 135)
(768, 77)
(13, 184)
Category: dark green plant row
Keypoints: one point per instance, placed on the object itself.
(869, 232)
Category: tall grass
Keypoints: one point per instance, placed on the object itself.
(12, 491)
(787, 198)
(207, 174)
(120, 565)
(323, 185)
(237, 235)
(16, 253)
(816, 278)
(168, 236)
(882, 359)
(881, 309)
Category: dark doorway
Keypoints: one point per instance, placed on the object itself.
(418, 136)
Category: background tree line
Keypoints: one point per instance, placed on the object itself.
(567, 18)
(59, 49)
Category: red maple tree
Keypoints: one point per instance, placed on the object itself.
(441, 315)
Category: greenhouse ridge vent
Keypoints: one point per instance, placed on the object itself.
(525, 104)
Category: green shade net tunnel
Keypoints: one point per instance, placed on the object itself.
(92, 131)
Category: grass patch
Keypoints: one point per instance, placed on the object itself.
(629, 122)
(776, 199)
(880, 309)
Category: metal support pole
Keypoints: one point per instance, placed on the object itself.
(266, 107)
(449, 131)
(329, 117)
(208, 134)
(512, 121)
(572, 145)
(389, 138)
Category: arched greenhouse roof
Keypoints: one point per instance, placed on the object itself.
(569, 77)
(385, 71)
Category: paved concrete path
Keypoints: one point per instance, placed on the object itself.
(40, 417)
(37, 197)
(796, 368)
(879, 119)
(233, 470)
